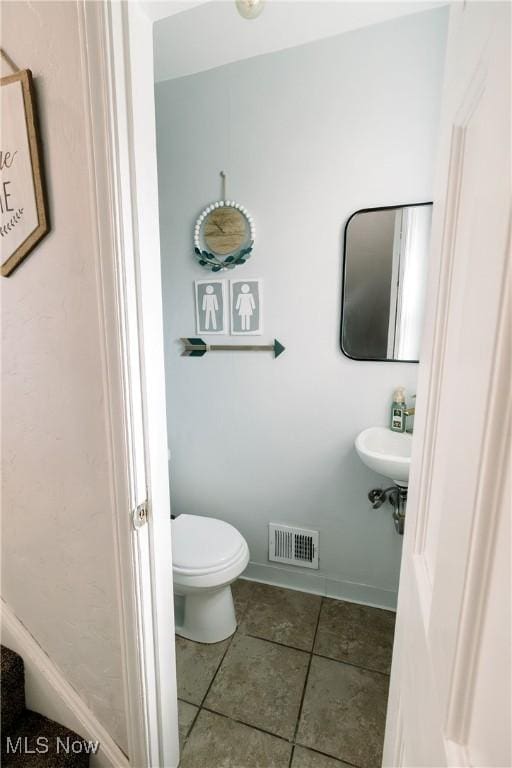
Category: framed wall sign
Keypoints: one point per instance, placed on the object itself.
(23, 208)
(246, 307)
(211, 306)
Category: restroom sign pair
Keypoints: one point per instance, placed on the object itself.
(238, 311)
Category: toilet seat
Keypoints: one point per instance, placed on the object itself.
(205, 545)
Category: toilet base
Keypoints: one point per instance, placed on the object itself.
(208, 615)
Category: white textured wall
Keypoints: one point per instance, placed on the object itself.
(57, 532)
(307, 136)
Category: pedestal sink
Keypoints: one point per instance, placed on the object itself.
(386, 452)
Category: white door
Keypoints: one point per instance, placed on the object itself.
(451, 676)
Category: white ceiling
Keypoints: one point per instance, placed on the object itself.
(192, 36)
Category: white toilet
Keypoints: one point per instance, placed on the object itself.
(208, 555)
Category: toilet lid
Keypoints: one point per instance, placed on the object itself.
(203, 542)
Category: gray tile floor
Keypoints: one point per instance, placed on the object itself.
(303, 683)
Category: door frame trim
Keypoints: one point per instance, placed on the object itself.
(133, 364)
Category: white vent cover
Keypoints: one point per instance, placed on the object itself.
(296, 546)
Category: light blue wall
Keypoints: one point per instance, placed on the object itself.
(307, 136)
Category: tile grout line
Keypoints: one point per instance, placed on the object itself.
(276, 736)
(352, 664)
(305, 682)
(295, 743)
(186, 701)
(218, 667)
(320, 655)
(200, 706)
(248, 725)
(190, 729)
(275, 642)
(326, 754)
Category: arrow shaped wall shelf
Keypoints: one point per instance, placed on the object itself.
(195, 347)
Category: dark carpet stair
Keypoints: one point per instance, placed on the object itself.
(30, 740)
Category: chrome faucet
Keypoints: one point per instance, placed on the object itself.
(410, 412)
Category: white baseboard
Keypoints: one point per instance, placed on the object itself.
(48, 692)
(317, 584)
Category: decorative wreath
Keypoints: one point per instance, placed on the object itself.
(215, 261)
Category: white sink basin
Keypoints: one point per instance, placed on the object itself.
(386, 452)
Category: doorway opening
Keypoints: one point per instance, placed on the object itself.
(248, 165)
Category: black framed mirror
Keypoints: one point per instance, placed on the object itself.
(385, 259)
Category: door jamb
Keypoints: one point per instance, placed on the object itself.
(122, 168)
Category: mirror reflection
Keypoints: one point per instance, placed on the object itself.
(384, 282)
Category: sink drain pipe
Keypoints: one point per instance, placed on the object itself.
(397, 497)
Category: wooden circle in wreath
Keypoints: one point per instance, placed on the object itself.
(223, 235)
(225, 230)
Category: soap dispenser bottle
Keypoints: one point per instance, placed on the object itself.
(398, 415)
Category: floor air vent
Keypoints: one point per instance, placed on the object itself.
(295, 546)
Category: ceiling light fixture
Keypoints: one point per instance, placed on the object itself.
(250, 9)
